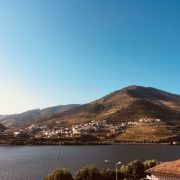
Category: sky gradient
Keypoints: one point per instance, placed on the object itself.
(65, 51)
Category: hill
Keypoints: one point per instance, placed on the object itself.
(128, 104)
(2, 116)
(2, 128)
(149, 115)
(146, 132)
(18, 120)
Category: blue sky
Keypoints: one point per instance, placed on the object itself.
(66, 51)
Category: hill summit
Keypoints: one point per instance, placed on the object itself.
(128, 104)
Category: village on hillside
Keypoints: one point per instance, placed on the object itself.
(93, 127)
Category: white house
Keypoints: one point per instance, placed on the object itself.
(17, 133)
(166, 171)
(76, 131)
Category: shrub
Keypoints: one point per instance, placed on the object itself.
(133, 170)
(108, 174)
(150, 163)
(88, 173)
(59, 174)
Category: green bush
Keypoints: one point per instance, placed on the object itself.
(109, 174)
(133, 170)
(88, 173)
(59, 174)
(150, 163)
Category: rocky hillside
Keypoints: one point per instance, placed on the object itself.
(128, 104)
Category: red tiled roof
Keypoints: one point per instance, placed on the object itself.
(171, 168)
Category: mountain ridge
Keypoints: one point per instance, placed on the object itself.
(16, 120)
(131, 103)
(128, 104)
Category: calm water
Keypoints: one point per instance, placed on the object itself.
(33, 162)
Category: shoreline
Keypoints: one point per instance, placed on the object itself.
(76, 141)
(85, 144)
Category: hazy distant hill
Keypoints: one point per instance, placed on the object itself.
(128, 104)
(16, 120)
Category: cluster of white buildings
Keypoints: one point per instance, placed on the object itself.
(149, 120)
(101, 127)
(44, 131)
(35, 130)
(79, 129)
(143, 120)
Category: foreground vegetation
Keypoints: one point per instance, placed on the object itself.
(132, 171)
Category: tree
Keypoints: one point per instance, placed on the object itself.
(59, 174)
(88, 173)
(133, 170)
(150, 163)
(108, 174)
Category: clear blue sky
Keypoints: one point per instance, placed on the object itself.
(75, 51)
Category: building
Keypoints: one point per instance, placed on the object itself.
(166, 171)
(76, 131)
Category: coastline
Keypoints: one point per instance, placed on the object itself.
(69, 143)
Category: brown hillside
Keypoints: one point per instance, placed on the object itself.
(128, 104)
